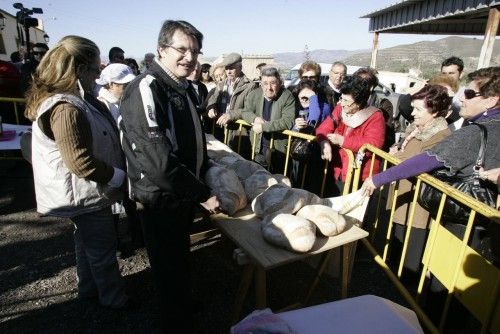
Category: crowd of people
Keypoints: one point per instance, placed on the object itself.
(123, 138)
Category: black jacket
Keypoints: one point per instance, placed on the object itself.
(159, 141)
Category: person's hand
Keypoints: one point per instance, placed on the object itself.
(368, 187)
(300, 123)
(490, 175)
(223, 120)
(326, 150)
(335, 139)
(212, 113)
(257, 128)
(212, 204)
(393, 149)
(258, 120)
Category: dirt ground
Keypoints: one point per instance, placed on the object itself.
(38, 276)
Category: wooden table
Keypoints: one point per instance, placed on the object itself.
(245, 231)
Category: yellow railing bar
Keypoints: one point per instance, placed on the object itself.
(14, 100)
(406, 295)
(445, 188)
(294, 134)
(447, 191)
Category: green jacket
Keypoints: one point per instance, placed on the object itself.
(282, 116)
(237, 100)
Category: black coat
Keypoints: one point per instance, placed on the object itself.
(159, 141)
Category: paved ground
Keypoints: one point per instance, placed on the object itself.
(38, 285)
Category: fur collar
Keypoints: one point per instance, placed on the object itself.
(436, 125)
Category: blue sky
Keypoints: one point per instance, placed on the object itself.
(250, 27)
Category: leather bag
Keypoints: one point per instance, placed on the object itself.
(472, 185)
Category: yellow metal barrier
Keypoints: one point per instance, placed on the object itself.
(467, 276)
(298, 135)
(16, 101)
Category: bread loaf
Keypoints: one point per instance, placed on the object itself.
(279, 198)
(289, 231)
(227, 187)
(259, 181)
(328, 221)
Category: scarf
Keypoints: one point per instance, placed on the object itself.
(111, 101)
(358, 118)
(412, 131)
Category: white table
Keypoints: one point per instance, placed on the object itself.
(14, 143)
(363, 314)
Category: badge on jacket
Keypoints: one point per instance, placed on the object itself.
(177, 101)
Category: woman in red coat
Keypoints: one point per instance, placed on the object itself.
(351, 125)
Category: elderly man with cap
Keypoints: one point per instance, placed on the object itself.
(270, 110)
(229, 98)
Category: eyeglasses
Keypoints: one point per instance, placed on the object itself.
(471, 93)
(204, 71)
(184, 51)
(342, 101)
(304, 77)
(304, 98)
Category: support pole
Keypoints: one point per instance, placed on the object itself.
(373, 63)
(489, 38)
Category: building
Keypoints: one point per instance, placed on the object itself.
(12, 35)
(249, 63)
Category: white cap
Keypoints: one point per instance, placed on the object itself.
(117, 73)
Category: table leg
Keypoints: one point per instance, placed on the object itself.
(346, 264)
(260, 288)
(323, 263)
(245, 281)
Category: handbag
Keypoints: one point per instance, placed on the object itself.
(301, 149)
(429, 197)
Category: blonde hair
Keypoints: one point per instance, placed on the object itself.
(57, 72)
(443, 79)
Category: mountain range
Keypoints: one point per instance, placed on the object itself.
(425, 56)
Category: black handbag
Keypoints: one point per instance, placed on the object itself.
(301, 149)
(429, 197)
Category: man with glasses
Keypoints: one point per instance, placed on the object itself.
(166, 156)
(30, 65)
(270, 110)
(228, 99)
(336, 76)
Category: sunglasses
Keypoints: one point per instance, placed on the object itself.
(304, 98)
(304, 77)
(38, 53)
(471, 93)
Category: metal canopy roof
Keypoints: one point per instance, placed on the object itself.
(443, 17)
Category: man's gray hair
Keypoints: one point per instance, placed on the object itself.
(339, 63)
(271, 72)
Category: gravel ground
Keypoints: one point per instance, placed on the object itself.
(38, 275)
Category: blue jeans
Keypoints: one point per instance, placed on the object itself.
(96, 263)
